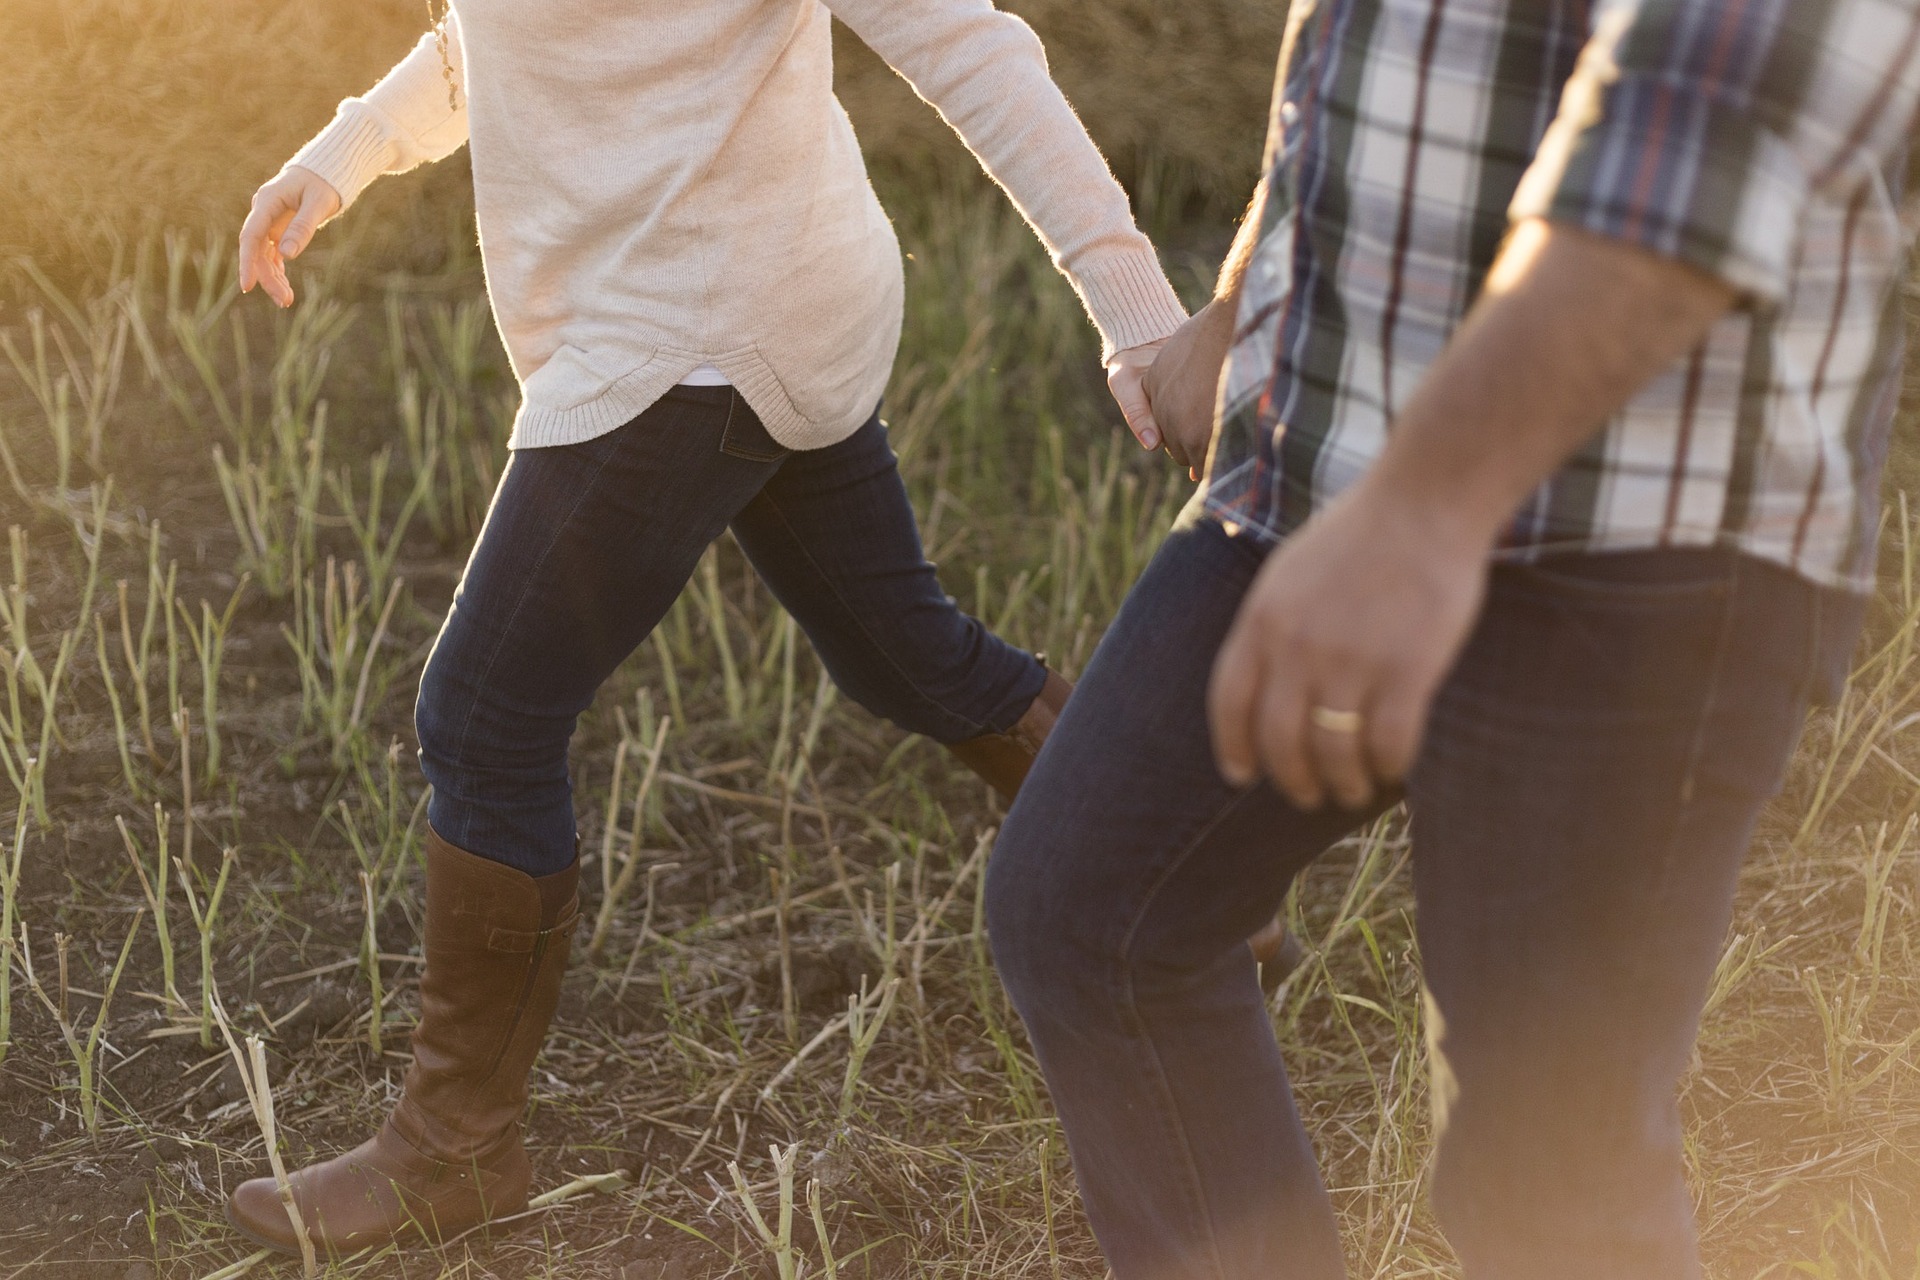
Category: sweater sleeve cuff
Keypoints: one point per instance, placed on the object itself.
(1129, 299)
(350, 152)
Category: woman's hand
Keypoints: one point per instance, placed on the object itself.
(285, 215)
(1126, 372)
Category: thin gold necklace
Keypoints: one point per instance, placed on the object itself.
(439, 20)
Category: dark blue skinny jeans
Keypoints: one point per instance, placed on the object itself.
(1586, 791)
(586, 547)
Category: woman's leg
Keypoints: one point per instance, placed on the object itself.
(833, 536)
(584, 551)
(585, 548)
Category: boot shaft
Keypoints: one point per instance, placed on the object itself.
(1003, 759)
(497, 943)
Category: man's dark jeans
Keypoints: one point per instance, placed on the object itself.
(1588, 785)
(588, 545)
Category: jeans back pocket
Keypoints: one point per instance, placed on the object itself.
(745, 436)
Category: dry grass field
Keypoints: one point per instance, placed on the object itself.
(231, 532)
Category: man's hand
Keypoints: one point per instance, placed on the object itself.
(1125, 372)
(285, 215)
(1183, 383)
(1323, 683)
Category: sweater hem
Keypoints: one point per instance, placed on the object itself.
(633, 394)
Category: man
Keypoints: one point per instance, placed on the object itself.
(1565, 341)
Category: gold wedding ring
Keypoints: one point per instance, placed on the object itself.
(1345, 722)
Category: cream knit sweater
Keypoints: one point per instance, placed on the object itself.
(667, 183)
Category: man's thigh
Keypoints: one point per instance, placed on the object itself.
(1592, 773)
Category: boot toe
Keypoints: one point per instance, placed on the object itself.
(255, 1211)
(1278, 952)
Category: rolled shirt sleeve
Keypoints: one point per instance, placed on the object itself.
(1702, 129)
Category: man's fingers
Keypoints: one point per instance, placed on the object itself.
(1231, 691)
(1178, 450)
(1336, 743)
(1280, 730)
(1395, 727)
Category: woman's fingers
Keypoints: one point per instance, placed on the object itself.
(1127, 378)
(255, 235)
(260, 261)
(285, 215)
(318, 202)
(1124, 380)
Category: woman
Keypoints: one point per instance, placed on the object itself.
(701, 298)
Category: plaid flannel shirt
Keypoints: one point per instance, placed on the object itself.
(1762, 141)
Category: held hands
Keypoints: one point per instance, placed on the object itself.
(1325, 680)
(1166, 388)
(1182, 384)
(285, 215)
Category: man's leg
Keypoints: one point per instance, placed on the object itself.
(1123, 886)
(1591, 776)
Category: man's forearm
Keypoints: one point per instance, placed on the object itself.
(1571, 327)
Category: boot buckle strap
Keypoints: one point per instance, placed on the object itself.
(520, 941)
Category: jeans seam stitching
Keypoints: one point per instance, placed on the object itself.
(732, 450)
(834, 589)
(1697, 747)
(526, 591)
(1131, 1000)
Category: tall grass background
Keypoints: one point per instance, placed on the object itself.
(130, 116)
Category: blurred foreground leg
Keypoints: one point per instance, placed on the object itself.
(1585, 798)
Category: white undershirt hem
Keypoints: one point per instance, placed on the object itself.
(706, 376)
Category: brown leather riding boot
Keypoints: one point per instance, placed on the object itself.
(1003, 759)
(450, 1156)
(1278, 953)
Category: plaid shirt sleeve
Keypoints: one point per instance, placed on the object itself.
(1703, 129)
